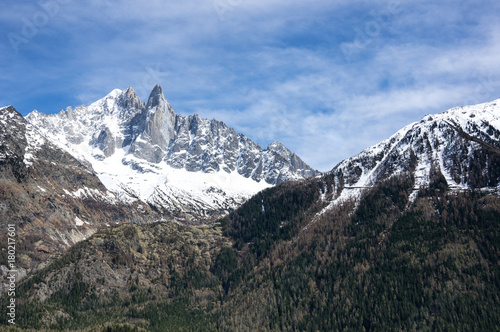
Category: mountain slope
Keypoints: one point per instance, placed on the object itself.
(156, 274)
(189, 167)
(433, 266)
(360, 250)
(53, 199)
(389, 266)
(461, 145)
(403, 236)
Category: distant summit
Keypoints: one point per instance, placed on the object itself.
(459, 148)
(190, 167)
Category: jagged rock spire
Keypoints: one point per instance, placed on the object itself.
(155, 97)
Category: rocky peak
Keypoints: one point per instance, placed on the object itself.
(159, 128)
(279, 149)
(129, 103)
(156, 97)
(9, 110)
(12, 126)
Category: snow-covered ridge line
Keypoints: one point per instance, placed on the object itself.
(139, 150)
(461, 144)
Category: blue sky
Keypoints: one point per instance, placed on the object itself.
(326, 78)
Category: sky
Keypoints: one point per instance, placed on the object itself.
(325, 78)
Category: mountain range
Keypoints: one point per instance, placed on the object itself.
(189, 168)
(190, 226)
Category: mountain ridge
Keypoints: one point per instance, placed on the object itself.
(121, 132)
(444, 144)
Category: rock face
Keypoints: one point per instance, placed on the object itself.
(190, 167)
(52, 199)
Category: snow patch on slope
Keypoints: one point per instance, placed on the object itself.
(35, 142)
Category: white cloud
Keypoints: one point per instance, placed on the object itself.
(272, 69)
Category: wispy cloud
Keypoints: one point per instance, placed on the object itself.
(274, 69)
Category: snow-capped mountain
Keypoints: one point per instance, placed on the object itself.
(461, 145)
(184, 165)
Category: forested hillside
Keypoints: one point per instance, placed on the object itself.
(391, 265)
(281, 262)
